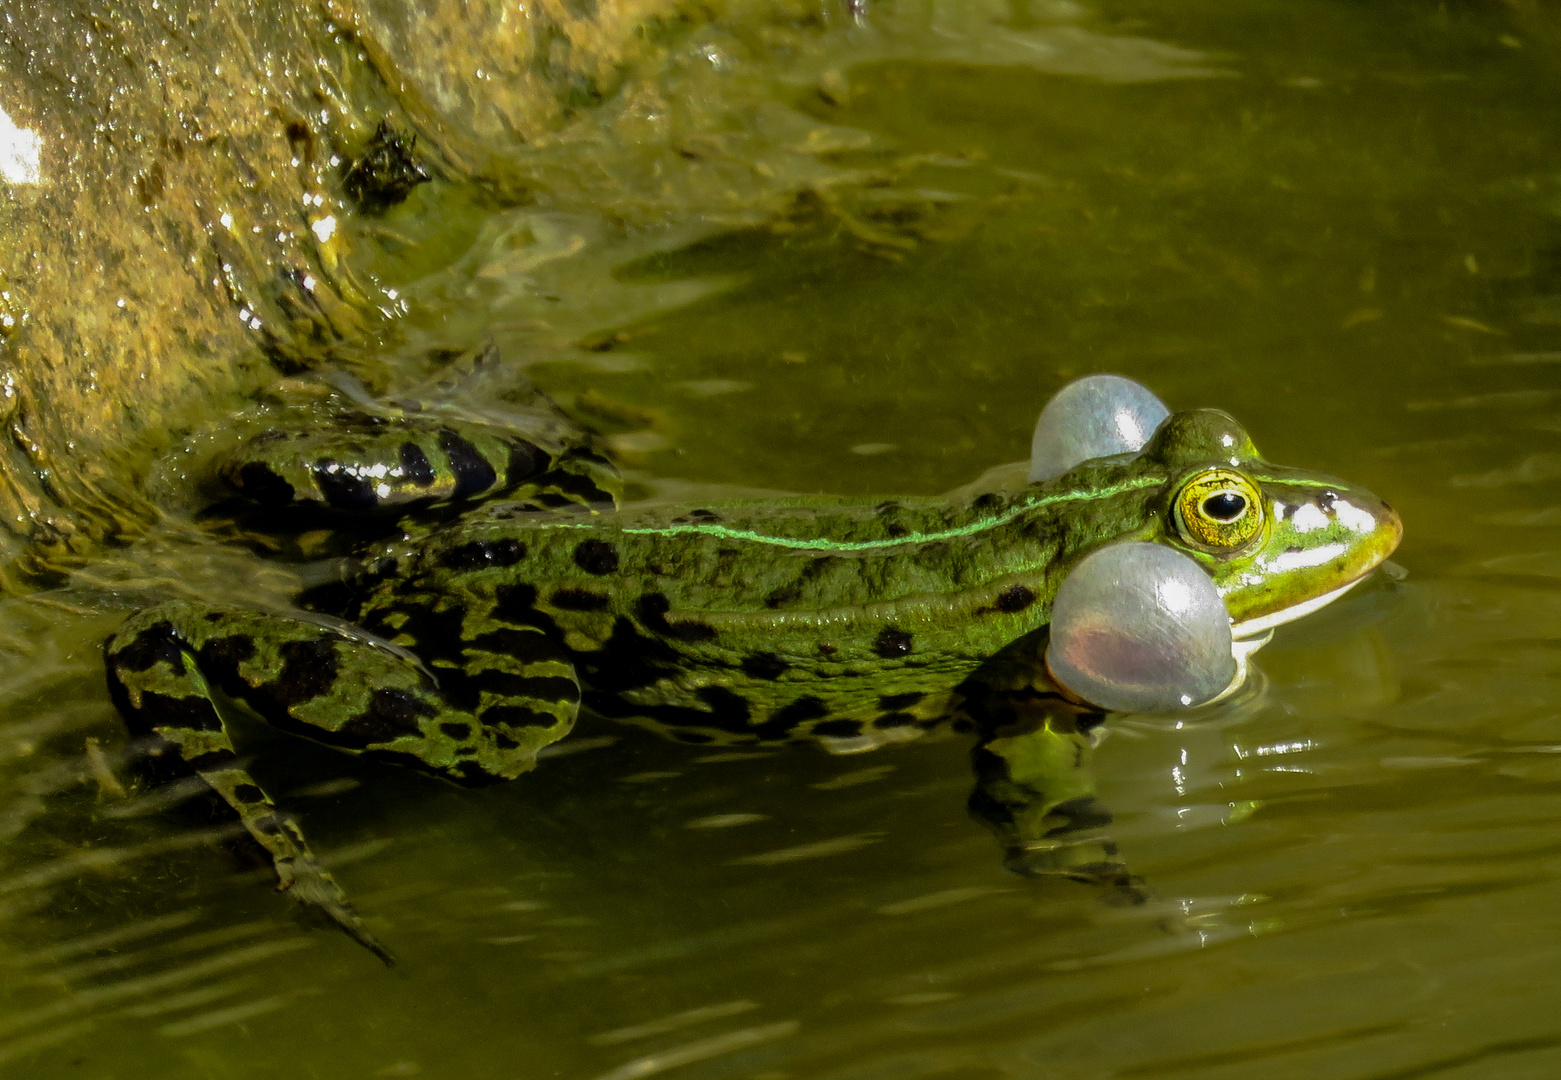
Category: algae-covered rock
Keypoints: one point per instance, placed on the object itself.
(175, 180)
(172, 243)
(189, 188)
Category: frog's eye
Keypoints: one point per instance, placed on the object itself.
(1219, 510)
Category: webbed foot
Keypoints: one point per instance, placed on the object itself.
(310, 884)
(298, 873)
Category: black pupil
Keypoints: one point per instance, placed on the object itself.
(1226, 506)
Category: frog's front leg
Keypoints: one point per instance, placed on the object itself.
(347, 691)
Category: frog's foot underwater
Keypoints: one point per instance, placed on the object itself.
(470, 642)
(476, 721)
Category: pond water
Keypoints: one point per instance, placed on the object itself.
(1340, 222)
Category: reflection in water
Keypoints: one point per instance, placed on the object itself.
(859, 861)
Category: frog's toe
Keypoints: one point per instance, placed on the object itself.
(309, 883)
(1090, 859)
(1039, 860)
(1119, 886)
(1125, 889)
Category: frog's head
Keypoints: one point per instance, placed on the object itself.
(1279, 543)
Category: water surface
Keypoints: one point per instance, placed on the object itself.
(1337, 221)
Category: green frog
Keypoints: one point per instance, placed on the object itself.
(465, 645)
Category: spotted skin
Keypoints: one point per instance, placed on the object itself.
(365, 463)
(344, 690)
(469, 644)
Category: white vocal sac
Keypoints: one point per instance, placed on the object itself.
(1139, 627)
(1096, 416)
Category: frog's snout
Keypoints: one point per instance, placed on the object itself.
(1376, 525)
(1324, 539)
(1395, 525)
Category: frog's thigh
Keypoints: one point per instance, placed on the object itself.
(164, 696)
(475, 724)
(523, 690)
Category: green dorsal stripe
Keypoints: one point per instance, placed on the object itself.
(821, 544)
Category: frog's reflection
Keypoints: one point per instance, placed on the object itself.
(1035, 787)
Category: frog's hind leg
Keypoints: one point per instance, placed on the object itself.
(347, 691)
(164, 696)
(375, 467)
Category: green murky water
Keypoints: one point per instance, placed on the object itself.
(1341, 222)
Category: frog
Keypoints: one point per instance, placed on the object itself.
(518, 589)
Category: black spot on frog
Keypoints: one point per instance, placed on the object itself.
(764, 665)
(892, 642)
(484, 554)
(597, 557)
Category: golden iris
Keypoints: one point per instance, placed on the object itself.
(1219, 510)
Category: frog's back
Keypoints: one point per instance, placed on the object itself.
(831, 619)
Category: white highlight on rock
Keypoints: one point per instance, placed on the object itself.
(1092, 417)
(21, 153)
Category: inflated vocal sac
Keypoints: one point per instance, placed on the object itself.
(1139, 627)
(1096, 416)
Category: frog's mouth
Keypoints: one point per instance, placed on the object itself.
(1263, 626)
(1250, 636)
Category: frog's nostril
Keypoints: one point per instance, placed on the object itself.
(1394, 522)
